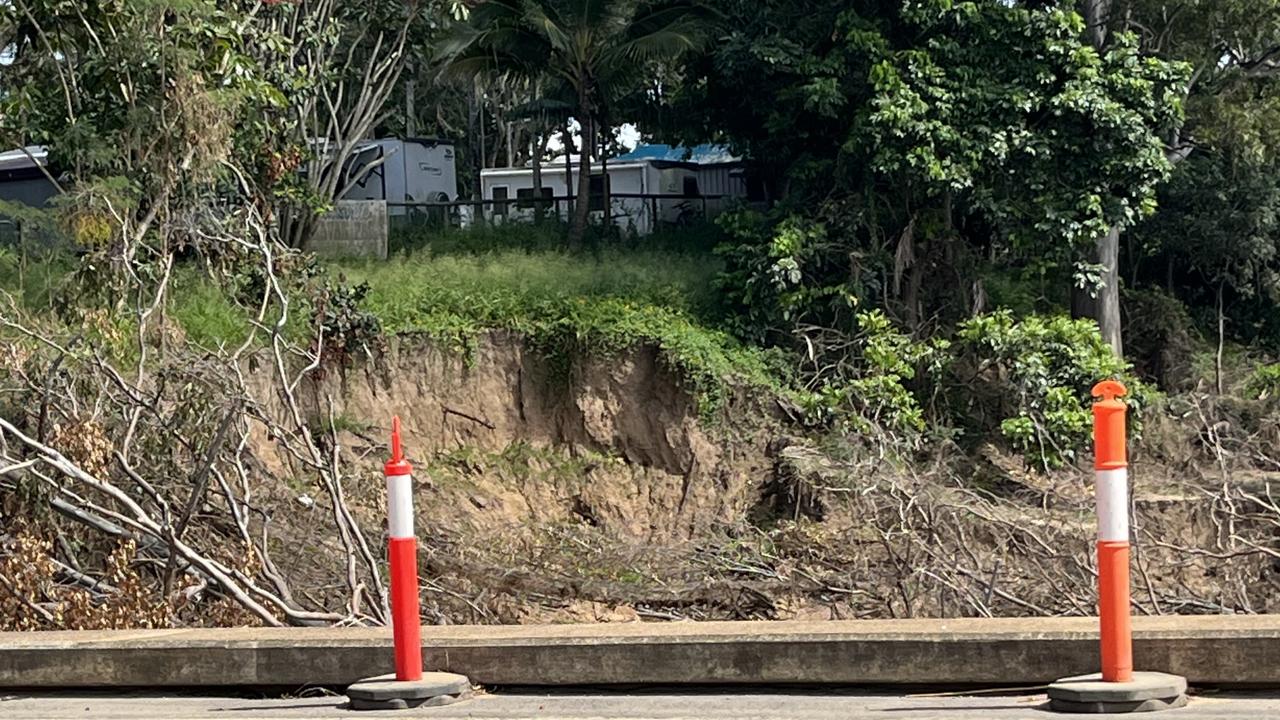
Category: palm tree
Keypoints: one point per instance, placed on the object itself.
(598, 48)
(548, 114)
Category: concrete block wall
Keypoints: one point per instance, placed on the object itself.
(353, 229)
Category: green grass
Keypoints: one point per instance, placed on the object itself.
(419, 291)
(33, 279)
(212, 319)
(599, 302)
(697, 239)
(613, 294)
(205, 313)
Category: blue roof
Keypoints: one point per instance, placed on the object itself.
(700, 154)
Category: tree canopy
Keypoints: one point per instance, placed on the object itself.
(598, 49)
(923, 134)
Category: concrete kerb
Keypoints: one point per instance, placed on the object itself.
(1207, 650)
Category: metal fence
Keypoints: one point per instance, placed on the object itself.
(640, 212)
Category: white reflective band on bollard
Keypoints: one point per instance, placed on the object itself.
(400, 506)
(1112, 490)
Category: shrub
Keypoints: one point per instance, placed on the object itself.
(1265, 382)
(205, 311)
(875, 382)
(780, 275)
(1161, 338)
(1032, 378)
(348, 330)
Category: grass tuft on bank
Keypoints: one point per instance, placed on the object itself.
(600, 300)
(611, 294)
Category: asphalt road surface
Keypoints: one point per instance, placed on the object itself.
(593, 705)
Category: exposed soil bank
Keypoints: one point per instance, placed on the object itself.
(597, 493)
(503, 436)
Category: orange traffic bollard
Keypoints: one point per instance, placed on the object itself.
(408, 686)
(402, 552)
(1111, 469)
(1117, 689)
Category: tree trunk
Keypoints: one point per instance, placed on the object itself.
(475, 143)
(604, 171)
(568, 170)
(484, 157)
(539, 147)
(1096, 15)
(1222, 327)
(1104, 307)
(911, 295)
(511, 144)
(582, 210)
(410, 106)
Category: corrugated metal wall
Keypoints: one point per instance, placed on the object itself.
(717, 180)
(720, 180)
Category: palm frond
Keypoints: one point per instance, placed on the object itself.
(544, 106)
(541, 19)
(693, 16)
(661, 45)
(497, 42)
(468, 67)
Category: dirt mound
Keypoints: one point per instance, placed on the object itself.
(504, 438)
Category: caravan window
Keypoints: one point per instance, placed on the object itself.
(691, 187)
(499, 196)
(524, 198)
(597, 192)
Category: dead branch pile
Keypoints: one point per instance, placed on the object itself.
(853, 540)
(130, 492)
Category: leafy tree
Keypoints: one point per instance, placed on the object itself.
(343, 61)
(141, 104)
(1230, 46)
(1031, 378)
(595, 47)
(922, 141)
(1214, 242)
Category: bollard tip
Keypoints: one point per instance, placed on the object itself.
(396, 453)
(397, 465)
(1109, 390)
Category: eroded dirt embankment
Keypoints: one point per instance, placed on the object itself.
(598, 493)
(501, 437)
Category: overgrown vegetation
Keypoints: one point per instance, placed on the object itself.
(972, 212)
(567, 304)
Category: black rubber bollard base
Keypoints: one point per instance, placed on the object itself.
(386, 693)
(1147, 692)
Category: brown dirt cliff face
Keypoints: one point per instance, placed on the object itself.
(502, 441)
